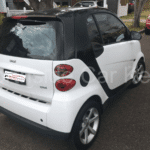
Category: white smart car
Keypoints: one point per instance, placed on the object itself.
(58, 69)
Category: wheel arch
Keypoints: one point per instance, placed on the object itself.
(139, 58)
(95, 98)
(142, 59)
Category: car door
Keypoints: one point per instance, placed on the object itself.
(117, 60)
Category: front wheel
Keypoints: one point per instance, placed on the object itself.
(86, 125)
(138, 74)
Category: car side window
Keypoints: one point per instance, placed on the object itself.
(94, 36)
(111, 28)
(93, 33)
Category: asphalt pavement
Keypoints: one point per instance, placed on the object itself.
(125, 123)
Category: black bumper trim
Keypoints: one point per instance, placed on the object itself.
(34, 126)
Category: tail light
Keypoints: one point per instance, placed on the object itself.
(63, 70)
(65, 84)
(19, 17)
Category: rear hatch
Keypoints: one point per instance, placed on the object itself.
(27, 50)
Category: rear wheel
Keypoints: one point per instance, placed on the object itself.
(86, 126)
(138, 74)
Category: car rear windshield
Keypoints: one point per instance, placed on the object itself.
(31, 39)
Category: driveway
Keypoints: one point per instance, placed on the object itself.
(125, 123)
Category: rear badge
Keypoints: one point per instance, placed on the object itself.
(14, 76)
(13, 61)
(42, 87)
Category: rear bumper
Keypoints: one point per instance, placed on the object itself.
(45, 117)
(34, 126)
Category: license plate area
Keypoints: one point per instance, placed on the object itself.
(15, 77)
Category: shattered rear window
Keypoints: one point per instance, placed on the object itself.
(37, 41)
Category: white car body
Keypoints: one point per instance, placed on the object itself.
(42, 103)
(56, 101)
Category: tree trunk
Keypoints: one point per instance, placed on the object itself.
(137, 12)
(34, 4)
(42, 5)
(136, 24)
(49, 4)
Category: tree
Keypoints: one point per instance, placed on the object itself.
(41, 5)
(138, 7)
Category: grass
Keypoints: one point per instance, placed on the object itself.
(1, 17)
(144, 15)
(129, 16)
(131, 28)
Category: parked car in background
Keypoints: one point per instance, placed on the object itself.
(131, 6)
(147, 28)
(89, 4)
(59, 67)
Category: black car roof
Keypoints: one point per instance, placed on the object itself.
(54, 12)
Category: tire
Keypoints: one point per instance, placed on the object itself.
(83, 127)
(139, 73)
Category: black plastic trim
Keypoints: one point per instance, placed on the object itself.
(84, 79)
(34, 126)
(114, 97)
(86, 53)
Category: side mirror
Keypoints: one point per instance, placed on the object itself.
(135, 35)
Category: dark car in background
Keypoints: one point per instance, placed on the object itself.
(147, 28)
(131, 6)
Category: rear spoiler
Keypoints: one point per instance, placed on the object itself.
(32, 16)
(33, 19)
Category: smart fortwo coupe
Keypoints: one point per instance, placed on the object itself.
(59, 67)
